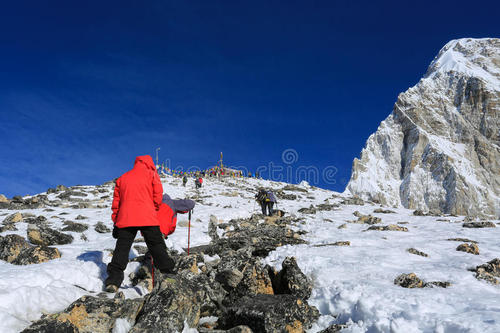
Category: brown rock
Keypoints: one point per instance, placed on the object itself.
(469, 248)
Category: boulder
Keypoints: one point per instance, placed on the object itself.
(36, 255)
(417, 252)
(355, 200)
(3, 198)
(89, 314)
(339, 243)
(176, 301)
(75, 227)
(11, 246)
(367, 219)
(16, 250)
(101, 228)
(390, 227)
(479, 225)
(384, 211)
(305, 210)
(270, 313)
(468, 248)
(462, 240)
(41, 235)
(489, 271)
(409, 281)
(13, 218)
(290, 280)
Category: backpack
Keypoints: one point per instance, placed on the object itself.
(262, 196)
(167, 218)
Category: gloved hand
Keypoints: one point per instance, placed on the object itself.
(115, 232)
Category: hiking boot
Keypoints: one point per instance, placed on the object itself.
(111, 288)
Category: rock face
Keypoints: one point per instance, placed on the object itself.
(440, 147)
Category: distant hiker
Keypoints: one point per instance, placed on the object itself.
(198, 182)
(257, 175)
(167, 215)
(266, 199)
(136, 200)
(184, 180)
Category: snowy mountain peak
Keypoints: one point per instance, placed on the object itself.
(472, 57)
(440, 147)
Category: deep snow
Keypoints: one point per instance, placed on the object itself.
(352, 284)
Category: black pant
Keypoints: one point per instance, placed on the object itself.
(156, 245)
(267, 206)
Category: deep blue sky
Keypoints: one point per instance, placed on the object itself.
(85, 86)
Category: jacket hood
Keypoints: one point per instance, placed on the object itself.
(146, 160)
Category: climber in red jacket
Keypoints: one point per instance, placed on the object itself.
(136, 200)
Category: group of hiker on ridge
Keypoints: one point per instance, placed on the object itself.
(140, 205)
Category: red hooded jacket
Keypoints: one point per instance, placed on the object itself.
(137, 196)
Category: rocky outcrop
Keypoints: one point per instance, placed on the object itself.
(16, 250)
(440, 147)
(390, 227)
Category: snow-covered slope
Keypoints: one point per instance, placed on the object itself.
(440, 147)
(352, 284)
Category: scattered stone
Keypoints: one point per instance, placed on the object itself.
(355, 200)
(270, 313)
(141, 249)
(417, 252)
(294, 188)
(326, 207)
(441, 284)
(88, 315)
(81, 217)
(75, 227)
(409, 281)
(368, 219)
(419, 212)
(469, 248)
(413, 281)
(310, 210)
(462, 240)
(384, 211)
(403, 222)
(357, 213)
(390, 227)
(342, 226)
(335, 328)
(285, 196)
(442, 220)
(46, 236)
(479, 225)
(340, 243)
(101, 228)
(13, 218)
(489, 271)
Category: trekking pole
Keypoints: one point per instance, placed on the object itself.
(189, 230)
(153, 272)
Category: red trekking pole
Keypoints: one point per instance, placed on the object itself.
(189, 230)
(153, 271)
